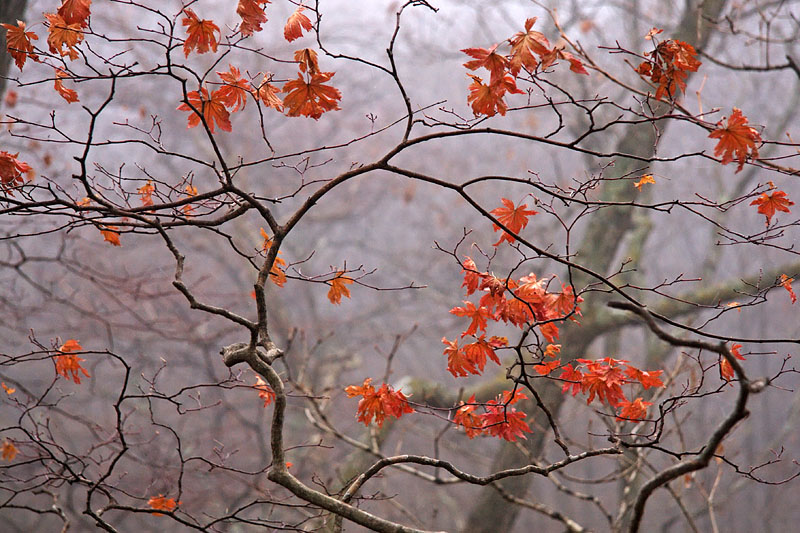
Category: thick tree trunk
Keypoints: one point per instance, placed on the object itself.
(10, 12)
(599, 249)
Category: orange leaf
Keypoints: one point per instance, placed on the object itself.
(212, 108)
(647, 379)
(9, 390)
(603, 379)
(768, 204)
(502, 420)
(669, 66)
(513, 218)
(234, 92)
(277, 273)
(265, 392)
(146, 192)
(523, 47)
(339, 288)
(18, 43)
(488, 99)
(268, 94)
(67, 94)
(200, 33)
(489, 59)
(544, 368)
(307, 59)
(295, 25)
(465, 416)
(111, 235)
(9, 450)
(457, 363)
(61, 35)
(11, 170)
(472, 278)
(478, 315)
(75, 12)
(252, 16)
(69, 363)
(162, 503)
(312, 98)
(737, 140)
(378, 404)
(647, 178)
(635, 410)
(70, 346)
(786, 283)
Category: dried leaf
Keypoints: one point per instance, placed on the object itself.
(339, 288)
(737, 140)
(200, 34)
(18, 43)
(296, 24)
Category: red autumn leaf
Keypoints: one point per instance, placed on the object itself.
(111, 235)
(234, 92)
(768, 204)
(523, 47)
(9, 450)
(488, 99)
(9, 390)
(725, 368)
(544, 368)
(200, 34)
(146, 192)
(472, 278)
(307, 60)
(458, 363)
(69, 363)
(549, 330)
(478, 351)
(669, 66)
(252, 14)
(552, 350)
(277, 273)
(339, 288)
(62, 38)
(268, 94)
(647, 379)
(478, 316)
(11, 171)
(378, 404)
(737, 140)
(635, 410)
(162, 503)
(489, 59)
(212, 107)
(296, 24)
(647, 178)
(565, 302)
(603, 379)
(501, 420)
(311, 98)
(265, 392)
(18, 43)
(67, 94)
(572, 379)
(75, 12)
(466, 417)
(513, 218)
(786, 283)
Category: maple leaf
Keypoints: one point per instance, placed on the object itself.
(472, 278)
(75, 12)
(647, 379)
(513, 218)
(212, 107)
(603, 379)
(488, 99)
(277, 272)
(768, 204)
(489, 59)
(552, 350)
(669, 66)
(146, 192)
(478, 315)
(268, 93)
(111, 234)
(737, 139)
(725, 368)
(786, 283)
(566, 302)
(480, 350)
(544, 368)
(200, 33)
(69, 363)
(572, 379)
(312, 98)
(162, 503)
(9, 450)
(9, 390)
(67, 94)
(465, 417)
(62, 38)
(11, 170)
(339, 288)
(378, 404)
(18, 43)
(501, 420)
(647, 178)
(265, 392)
(296, 24)
(252, 14)
(234, 92)
(635, 410)
(307, 59)
(523, 47)
(458, 363)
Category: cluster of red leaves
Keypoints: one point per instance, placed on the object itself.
(769, 203)
(265, 392)
(471, 358)
(276, 273)
(499, 418)
(669, 65)
(308, 95)
(211, 107)
(68, 363)
(66, 26)
(379, 403)
(603, 379)
(11, 171)
(162, 503)
(737, 140)
(725, 368)
(529, 50)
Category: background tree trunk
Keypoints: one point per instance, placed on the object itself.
(10, 12)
